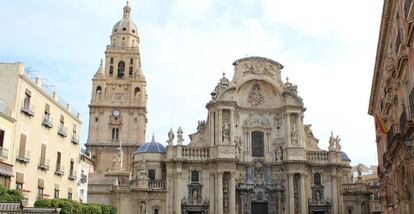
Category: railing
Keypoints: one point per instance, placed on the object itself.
(60, 170)
(62, 130)
(156, 184)
(4, 153)
(71, 176)
(28, 109)
(192, 153)
(354, 187)
(75, 139)
(23, 157)
(317, 156)
(47, 121)
(44, 165)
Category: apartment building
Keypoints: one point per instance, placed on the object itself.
(7, 123)
(85, 166)
(45, 144)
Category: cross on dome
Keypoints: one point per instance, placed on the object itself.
(127, 10)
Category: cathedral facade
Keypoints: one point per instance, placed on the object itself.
(252, 154)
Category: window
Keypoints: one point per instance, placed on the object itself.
(27, 99)
(136, 91)
(257, 144)
(71, 168)
(22, 146)
(70, 195)
(155, 211)
(39, 192)
(58, 160)
(19, 186)
(40, 187)
(111, 61)
(133, 31)
(1, 138)
(130, 71)
(43, 154)
(151, 174)
(115, 134)
(98, 90)
(121, 69)
(195, 176)
(317, 179)
(111, 70)
(124, 29)
(131, 61)
(56, 193)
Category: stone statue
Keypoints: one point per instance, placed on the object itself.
(180, 138)
(226, 133)
(170, 137)
(337, 142)
(238, 147)
(195, 196)
(279, 154)
(331, 143)
(359, 170)
(318, 196)
(143, 207)
(293, 131)
(255, 97)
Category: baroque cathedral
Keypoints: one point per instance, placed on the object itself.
(252, 154)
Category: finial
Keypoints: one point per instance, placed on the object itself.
(101, 61)
(224, 74)
(127, 10)
(153, 137)
(287, 79)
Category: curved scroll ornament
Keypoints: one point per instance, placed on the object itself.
(255, 96)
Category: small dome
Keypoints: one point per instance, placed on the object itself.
(345, 157)
(151, 147)
(125, 25)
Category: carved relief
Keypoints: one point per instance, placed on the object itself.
(255, 96)
(226, 185)
(258, 68)
(255, 120)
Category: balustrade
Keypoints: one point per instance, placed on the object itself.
(317, 156)
(193, 153)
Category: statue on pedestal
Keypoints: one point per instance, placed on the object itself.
(170, 137)
(180, 138)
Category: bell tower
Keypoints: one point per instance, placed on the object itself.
(118, 107)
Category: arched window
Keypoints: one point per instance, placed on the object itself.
(257, 144)
(111, 60)
(115, 134)
(121, 69)
(111, 70)
(136, 91)
(131, 61)
(130, 71)
(195, 176)
(98, 90)
(317, 179)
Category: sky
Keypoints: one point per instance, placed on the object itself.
(327, 48)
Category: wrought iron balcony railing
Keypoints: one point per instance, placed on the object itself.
(47, 121)
(28, 109)
(62, 130)
(75, 139)
(44, 164)
(23, 157)
(60, 170)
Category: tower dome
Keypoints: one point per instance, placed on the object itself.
(125, 31)
(151, 147)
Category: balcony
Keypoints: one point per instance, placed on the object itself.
(44, 165)
(74, 139)
(392, 134)
(72, 177)
(62, 130)
(318, 156)
(23, 157)
(156, 185)
(193, 153)
(60, 170)
(47, 121)
(28, 109)
(351, 188)
(4, 153)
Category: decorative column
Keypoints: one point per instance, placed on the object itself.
(211, 127)
(288, 135)
(299, 129)
(232, 127)
(291, 194)
(220, 127)
(242, 203)
(334, 193)
(212, 195)
(177, 190)
(303, 206)
(220, 193)
(232, 194)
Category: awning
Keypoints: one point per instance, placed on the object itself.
(41, 183)
(19, 177)
(6, 170)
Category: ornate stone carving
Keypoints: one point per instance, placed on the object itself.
(334, 143)
(255, 120)
(258, 68)
(226, 190)
(255, 96)
(180, 138)
(226, 133)
(170, 137)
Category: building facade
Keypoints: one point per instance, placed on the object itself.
(85, 167)
(252, 154)
(392, 105)
(45, 140)
(7, 127)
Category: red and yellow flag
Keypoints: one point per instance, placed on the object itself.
(380, 123)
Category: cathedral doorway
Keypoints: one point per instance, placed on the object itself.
(259, 208)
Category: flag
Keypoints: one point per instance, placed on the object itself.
(380, 123)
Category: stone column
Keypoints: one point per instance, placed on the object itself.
(220, 193)
(232, 194)
(299, 129)
(334, 193)
(220, 127)
(211, 127)
(232, 127)
(291, 194)
(242, 202)
(303, 203)
(177, 190)
(289, 139)
(212, 195)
